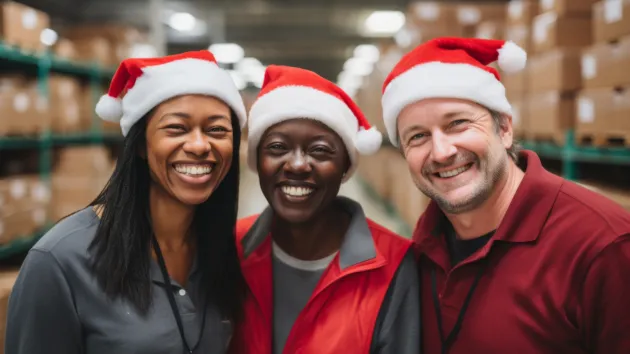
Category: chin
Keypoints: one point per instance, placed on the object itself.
(193, 198)
(293, 215)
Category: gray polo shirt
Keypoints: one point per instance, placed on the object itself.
(57, 306)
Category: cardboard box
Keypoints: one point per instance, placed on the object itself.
(22, 25)
(23, 206)
(603, 111)
(515, 83)
(95, 50)
(65, 49)
(606, 64)
(471, 15)
(431, 14)
(521, 35)
(27, 109)
(65, 105)
(519, 115)
(611, 20)
(556, 70)
(550, 31)
(7, 280)
(490, 30)
(521, 12)
(550, 113)
(567, 7)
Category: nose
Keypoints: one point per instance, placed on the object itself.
(442, 148)
(297, 163)
(197, 143)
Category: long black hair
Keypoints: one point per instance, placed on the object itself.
(121, 248)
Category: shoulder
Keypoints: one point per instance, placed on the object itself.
(243, 225)
(585, 218)
(388, 243)
(68, 241)
(589, 209)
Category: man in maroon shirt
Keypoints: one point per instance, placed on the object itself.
(513, 259)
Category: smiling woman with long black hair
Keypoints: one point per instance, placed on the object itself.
(322, 277)
(150, 266)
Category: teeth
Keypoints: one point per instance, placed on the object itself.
(453, 173)
(193, 170)
(297, 191)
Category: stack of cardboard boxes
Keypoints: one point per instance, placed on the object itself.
(559, 33)
(80, 174)
(21, 26)
(603, 107)
(23, 110)
(520, 14)
(24, 200)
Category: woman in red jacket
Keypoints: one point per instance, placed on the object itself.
(322, 277)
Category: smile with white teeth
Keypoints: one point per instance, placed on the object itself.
(193, 170)
(297, 191)
(454, 172)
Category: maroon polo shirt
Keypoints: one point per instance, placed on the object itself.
(555, 276)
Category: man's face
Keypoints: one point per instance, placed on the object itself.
(455, 151)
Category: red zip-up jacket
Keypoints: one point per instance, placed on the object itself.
(366, 300)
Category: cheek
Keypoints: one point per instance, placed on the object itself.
(225, 150)
(416, 157)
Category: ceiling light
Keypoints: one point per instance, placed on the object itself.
(384, 22)
(367, 52)
(49, 37)
(358, 66)
(227, 53)
(182, 21)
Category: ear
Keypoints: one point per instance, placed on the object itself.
(506, 131)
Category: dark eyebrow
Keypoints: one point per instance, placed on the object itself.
(187, 116)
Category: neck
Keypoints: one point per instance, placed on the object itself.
(315, 239)
(171, 220)
(488, 216)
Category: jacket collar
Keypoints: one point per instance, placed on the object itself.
(357, 245)
(530, 207)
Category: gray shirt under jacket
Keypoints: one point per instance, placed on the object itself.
(57, 306)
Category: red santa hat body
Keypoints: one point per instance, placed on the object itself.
(450, 68)
(293, 93)
(145, 83)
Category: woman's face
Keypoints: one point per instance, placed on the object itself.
(300, 165)
(189, 146)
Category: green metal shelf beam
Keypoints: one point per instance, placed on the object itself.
(15, 55)
(13, 143)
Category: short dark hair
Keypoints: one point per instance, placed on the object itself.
(121, 249)
(499, 119)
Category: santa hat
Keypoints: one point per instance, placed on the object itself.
(450, 68)
(289, 93)
(145, 83)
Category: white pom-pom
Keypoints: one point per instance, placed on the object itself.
(368, 141)
(512, 58)
(109, 108)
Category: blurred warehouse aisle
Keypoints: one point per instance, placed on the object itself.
(252, 201)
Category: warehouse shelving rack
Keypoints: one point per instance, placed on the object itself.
(571, 155)
(44, 64)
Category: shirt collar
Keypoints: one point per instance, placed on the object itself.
(530, 206)
(357, 245)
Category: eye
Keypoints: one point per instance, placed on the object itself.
(218, 129)
(175, 128)
(458, 122)
(320, 149)
(417, 136)
(275, 147)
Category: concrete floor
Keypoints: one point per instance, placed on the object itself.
(252, 201)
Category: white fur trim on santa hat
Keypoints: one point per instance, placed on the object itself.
(441, 80)
(182, 77)
(512, 58)
(109, 108)
(294, 102)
